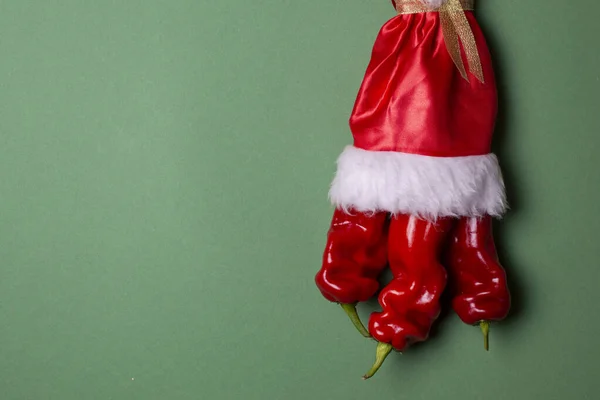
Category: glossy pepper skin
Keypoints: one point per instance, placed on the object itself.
(478, 281)
(355, 255)
(411, 301)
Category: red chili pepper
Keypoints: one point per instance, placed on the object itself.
(355, 255)
(477, 279)
(411, 301)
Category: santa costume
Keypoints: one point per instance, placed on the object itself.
(420, 180)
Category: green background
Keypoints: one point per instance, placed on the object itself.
(164, 167)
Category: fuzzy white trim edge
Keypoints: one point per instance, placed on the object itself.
(429, 187)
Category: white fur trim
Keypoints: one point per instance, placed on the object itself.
(429, 187)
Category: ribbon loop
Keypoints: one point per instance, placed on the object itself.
(456, 30)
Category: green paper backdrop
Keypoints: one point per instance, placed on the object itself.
(164, 168)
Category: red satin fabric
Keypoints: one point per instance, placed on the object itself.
(413, 98)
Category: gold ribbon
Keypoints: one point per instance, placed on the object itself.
(456, 30)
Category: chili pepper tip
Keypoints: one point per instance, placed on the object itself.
(485, 329)
(383, 350)
(350, 309)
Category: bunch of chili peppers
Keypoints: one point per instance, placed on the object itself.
(418, 190)
(422, 256)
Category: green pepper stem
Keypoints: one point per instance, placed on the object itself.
(485, 329)
(383, 350)
(350, 309)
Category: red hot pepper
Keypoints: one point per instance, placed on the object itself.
(411, 301)
(478, 280)
(355, 255)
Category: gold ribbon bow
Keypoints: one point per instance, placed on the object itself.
(456, 30)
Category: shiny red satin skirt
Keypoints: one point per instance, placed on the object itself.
(413, 98)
